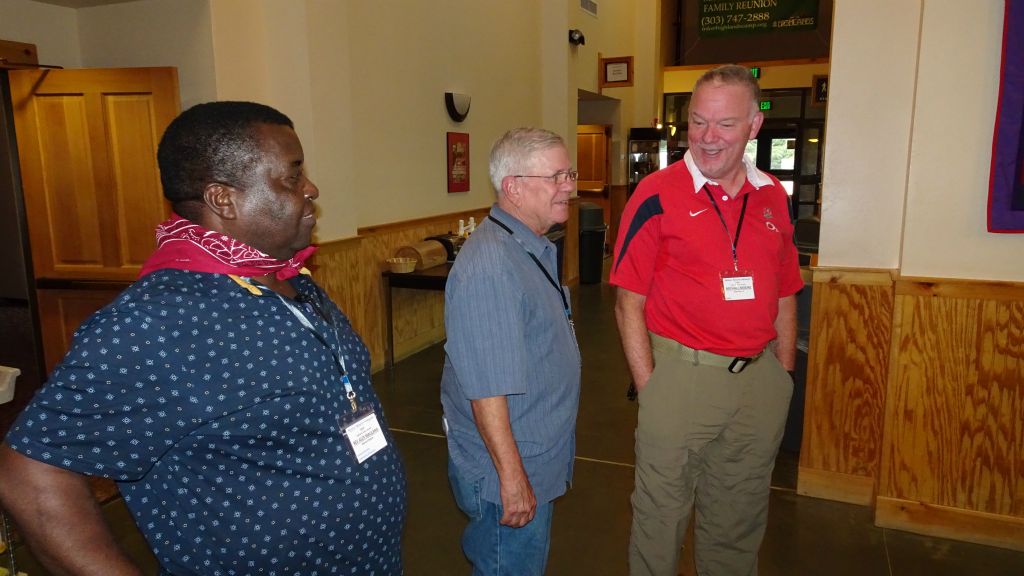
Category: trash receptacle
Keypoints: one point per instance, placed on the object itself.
(592, 232)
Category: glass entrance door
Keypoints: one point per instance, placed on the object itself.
(793, 156)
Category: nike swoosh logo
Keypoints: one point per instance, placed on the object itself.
(698, 212)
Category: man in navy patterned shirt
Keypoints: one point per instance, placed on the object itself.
(224, 392)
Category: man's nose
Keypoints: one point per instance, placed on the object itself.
(311, 190)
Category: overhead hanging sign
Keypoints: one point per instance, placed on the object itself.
(722, 18)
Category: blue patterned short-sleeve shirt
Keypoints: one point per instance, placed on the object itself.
(217, 412)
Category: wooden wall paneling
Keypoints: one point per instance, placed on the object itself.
(412, 310)
(418, 315)
(342, 270)
(350, 271)
(953, 448)
(846, 380)
(952, 523)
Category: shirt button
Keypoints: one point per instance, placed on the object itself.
(726, 198)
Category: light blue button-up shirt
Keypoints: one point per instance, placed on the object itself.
(508, 335)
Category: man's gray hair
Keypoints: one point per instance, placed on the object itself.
(732, 74)
(513, 152)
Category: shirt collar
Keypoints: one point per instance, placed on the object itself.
(528, 237)
(754, 176)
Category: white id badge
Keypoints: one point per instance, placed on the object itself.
(737, 285)
(365, 436)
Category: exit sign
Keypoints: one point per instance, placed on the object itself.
(765, 105)
(755, 72)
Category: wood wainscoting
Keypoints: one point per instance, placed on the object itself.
(915, 396)
(847, 369)
(952, 461)
(350, 271)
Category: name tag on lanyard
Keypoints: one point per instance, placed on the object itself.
(360, 426)
(364, 435)
(737, 285)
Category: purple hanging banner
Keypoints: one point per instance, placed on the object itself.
(1006, 180)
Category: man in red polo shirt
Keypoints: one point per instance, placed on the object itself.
(707, 275)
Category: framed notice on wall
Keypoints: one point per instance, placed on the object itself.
(458, 162)
(615, 72)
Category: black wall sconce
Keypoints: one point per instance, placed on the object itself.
(576, 37)
(457, 105)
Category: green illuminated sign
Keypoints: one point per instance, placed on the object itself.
(755, 72)
(765, 105)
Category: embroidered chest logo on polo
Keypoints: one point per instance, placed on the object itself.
(767, 213)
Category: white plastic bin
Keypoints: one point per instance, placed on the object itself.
(7, 377)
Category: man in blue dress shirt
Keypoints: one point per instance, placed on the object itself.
(511, 379)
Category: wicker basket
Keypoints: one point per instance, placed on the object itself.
(401, 265)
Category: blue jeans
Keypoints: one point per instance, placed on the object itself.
(496, 550)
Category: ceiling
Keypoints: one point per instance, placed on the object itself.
(81, 3)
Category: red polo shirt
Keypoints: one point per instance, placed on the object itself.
(673, 248)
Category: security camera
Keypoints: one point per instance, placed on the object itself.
(576, 37)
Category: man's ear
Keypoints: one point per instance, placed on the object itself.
(220, 199)
(755, 124)
(511, 190)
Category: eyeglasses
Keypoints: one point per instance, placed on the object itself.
(560, 177)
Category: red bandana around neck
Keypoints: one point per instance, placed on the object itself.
(185, 245)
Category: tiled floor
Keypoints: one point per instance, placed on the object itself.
(591, 525)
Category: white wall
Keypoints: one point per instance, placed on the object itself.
(909, 142)
(365, 82)
(153, 33)
(557, 57)
(867, 149)
(332, 141)
(945, 233)
(622, 28)
(53, 29)
(409, 54)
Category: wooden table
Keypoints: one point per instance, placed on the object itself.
(429, 279)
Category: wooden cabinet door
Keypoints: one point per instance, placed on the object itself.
(592, 142)
(87, 142)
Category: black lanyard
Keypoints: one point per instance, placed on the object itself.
(739, 225)
(561, 293)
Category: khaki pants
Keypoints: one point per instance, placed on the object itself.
(708, 437)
